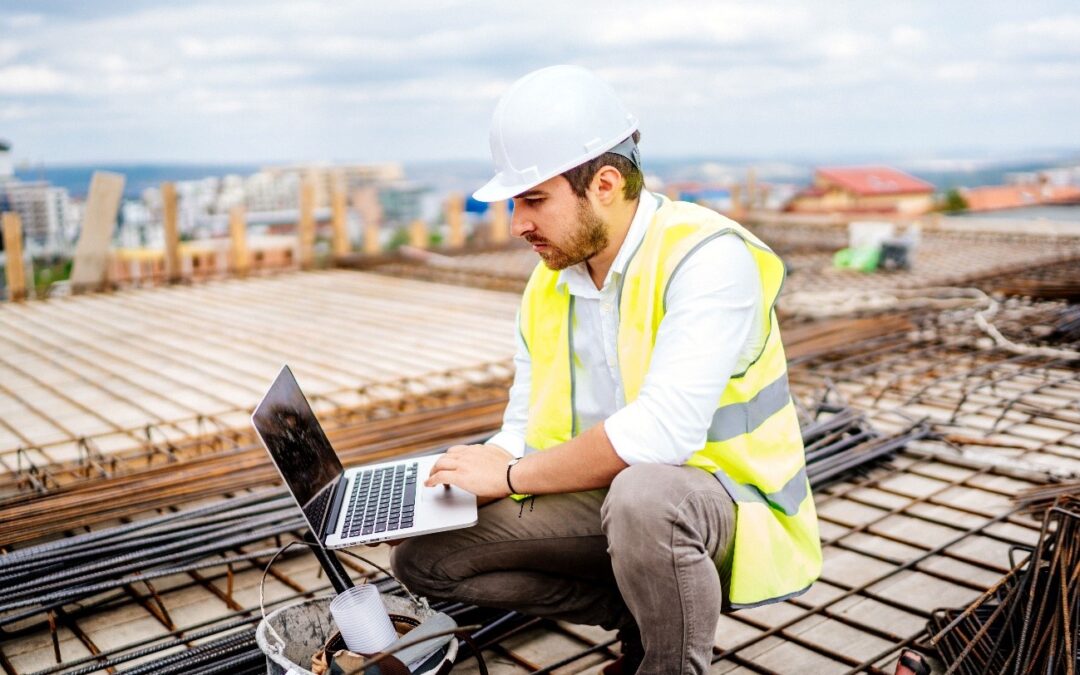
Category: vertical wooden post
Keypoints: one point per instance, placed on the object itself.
(338, 217)
(306, 226)
(366, 202)
(90, 266)
(240, 259)
(751, 189)
(13, 249)
(736, 210)
(455, 218)
(418, 234)
(500, 222)
(172, 232)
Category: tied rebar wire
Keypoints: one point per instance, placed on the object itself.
(1028, 621)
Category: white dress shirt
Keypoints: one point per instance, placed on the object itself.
(711, 330)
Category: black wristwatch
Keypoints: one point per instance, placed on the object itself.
(509, 466)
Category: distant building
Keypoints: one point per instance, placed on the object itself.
(1062, 175)
(401, 202)
(45, 210)
(871, 189)
(1000, 197)
(352, 176)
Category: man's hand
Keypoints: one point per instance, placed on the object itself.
(479, 469)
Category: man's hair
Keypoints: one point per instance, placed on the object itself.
(581, 175)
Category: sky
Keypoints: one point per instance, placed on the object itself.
(294, 80)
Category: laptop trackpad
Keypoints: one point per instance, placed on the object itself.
(449, 496)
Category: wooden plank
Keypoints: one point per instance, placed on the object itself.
(338, 217)
(240, 258)
(13, 250)
(366, 201)
(306, 226)
(455, 212)
(418, 234)
(500, 222)
(172, 232)
(90, 266)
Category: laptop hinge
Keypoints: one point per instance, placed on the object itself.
(330, 526)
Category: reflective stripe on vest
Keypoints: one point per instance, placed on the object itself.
(738, 418)
(753, 445)
(786, 500)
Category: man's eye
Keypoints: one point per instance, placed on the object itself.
(534, 201)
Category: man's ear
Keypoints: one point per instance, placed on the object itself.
(607, 185)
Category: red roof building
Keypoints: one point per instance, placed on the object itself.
(999, 197)
(866, 189)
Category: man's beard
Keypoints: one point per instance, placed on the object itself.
(588, 238)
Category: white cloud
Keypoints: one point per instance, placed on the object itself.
(843, 45)
(1060, 34)
(23, 80)
(709, 22)
(21, 21)
(9, 50)
(1063, 29)
(228, 47)
(905, 36)
(17, 111)
(959, 71)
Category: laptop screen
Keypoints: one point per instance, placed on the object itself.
(299, 448)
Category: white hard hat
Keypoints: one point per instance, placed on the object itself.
(548, 122)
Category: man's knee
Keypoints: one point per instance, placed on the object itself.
(412, 567)
(636, 504)
(646, 501)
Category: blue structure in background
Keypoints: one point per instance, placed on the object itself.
(480, 208)
(707, 195)
(475, 206)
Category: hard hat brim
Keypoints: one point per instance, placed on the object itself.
(495, 191)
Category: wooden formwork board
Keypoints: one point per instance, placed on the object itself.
(105, 366)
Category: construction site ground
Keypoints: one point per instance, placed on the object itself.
(123, 407)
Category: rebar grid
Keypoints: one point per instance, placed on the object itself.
(29, 472)
(986, 400)
(852, 492)
(108, 366)
(923, 560)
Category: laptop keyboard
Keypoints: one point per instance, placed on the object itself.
(382, 500)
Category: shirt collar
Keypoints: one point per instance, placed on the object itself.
(576, 278)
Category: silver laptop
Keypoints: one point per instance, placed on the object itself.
(366, 504)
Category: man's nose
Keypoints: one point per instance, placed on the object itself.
(520, 225)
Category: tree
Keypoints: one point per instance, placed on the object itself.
(954, 202)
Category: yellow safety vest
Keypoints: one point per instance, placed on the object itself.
(754, 445)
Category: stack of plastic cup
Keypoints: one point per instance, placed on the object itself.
(361, 617)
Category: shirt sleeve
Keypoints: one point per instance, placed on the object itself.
(512, 435)
(712, 320)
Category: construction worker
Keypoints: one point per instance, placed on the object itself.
(650, 445)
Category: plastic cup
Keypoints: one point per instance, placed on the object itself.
(361, 617)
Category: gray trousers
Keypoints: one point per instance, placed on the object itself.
(648, 552)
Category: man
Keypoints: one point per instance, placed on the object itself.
(649, 419)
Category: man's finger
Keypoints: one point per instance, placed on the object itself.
(440, 477)
(443, 464)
